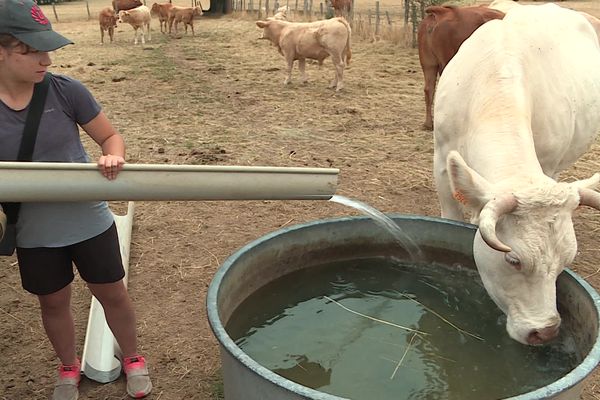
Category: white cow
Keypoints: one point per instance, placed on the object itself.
(515, 106)
(503, 5)
(506, 5)
(139, 18)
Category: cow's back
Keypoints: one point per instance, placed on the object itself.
(518, 72)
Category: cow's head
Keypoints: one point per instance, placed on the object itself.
(524, 241)
(197, 11)
(123, 16)
(271, 29)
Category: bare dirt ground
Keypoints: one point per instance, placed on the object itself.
(217, 98)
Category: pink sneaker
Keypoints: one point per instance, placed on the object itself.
(67, 384)
(138, 381)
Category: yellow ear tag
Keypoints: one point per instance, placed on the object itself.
(460, 197)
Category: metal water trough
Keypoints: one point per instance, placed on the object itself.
(302, 246)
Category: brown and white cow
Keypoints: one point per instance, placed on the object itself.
(440, 35)
(183, 14)
(139, 18)
(311, 40)
(119, 5)
(108, 22)
(161, 11)
(517, 105)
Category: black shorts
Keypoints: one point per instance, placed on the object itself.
(45, 270)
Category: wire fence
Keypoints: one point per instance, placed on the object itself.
(397, 23)
(393, 21)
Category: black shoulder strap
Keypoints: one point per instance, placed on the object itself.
(34, 115)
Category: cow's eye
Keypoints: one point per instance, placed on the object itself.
(513, 260)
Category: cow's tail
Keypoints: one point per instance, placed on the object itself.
(347, 49)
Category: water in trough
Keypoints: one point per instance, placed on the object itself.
(381, 329)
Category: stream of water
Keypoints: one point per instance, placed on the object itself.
(384, 222)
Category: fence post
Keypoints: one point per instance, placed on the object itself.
(413, 17)
(259, 9)
(266, 8)
(310, 10)
(321, 10)
(87, 6)
(54, 9)
(406, 11)
(377, 19)
(305, 9)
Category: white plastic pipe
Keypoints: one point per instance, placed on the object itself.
(101, 354)
(34, 181)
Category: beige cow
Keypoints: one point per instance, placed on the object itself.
(161, 11)
(183, 14)
(311, 40)
(139, 19)
(108, 22)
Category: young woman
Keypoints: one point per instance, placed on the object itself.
(51, 237)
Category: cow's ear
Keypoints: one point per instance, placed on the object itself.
(261, 24)
(468, 187)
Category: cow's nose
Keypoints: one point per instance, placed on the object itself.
(544, 335)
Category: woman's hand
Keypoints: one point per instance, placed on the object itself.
(110, 165)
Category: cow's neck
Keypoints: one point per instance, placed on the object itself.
(503, 149)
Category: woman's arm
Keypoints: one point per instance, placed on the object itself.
(113, 147)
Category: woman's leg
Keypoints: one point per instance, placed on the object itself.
(119, 314)
(58, 323)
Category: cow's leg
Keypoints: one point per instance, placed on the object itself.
(171, 20)
(142, 34)
(111, 33)
(148, 32)
(430, 73)
(302, 68)
(102, 36)
(338, 81)
(450, 208)
(192, 26)
(290, 64)
(135, 35)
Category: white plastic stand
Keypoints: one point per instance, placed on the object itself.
(100, 361)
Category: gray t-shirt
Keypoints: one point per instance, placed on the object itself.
(42, 224)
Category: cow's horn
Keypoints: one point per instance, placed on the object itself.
(589, 197)
(489, 217)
